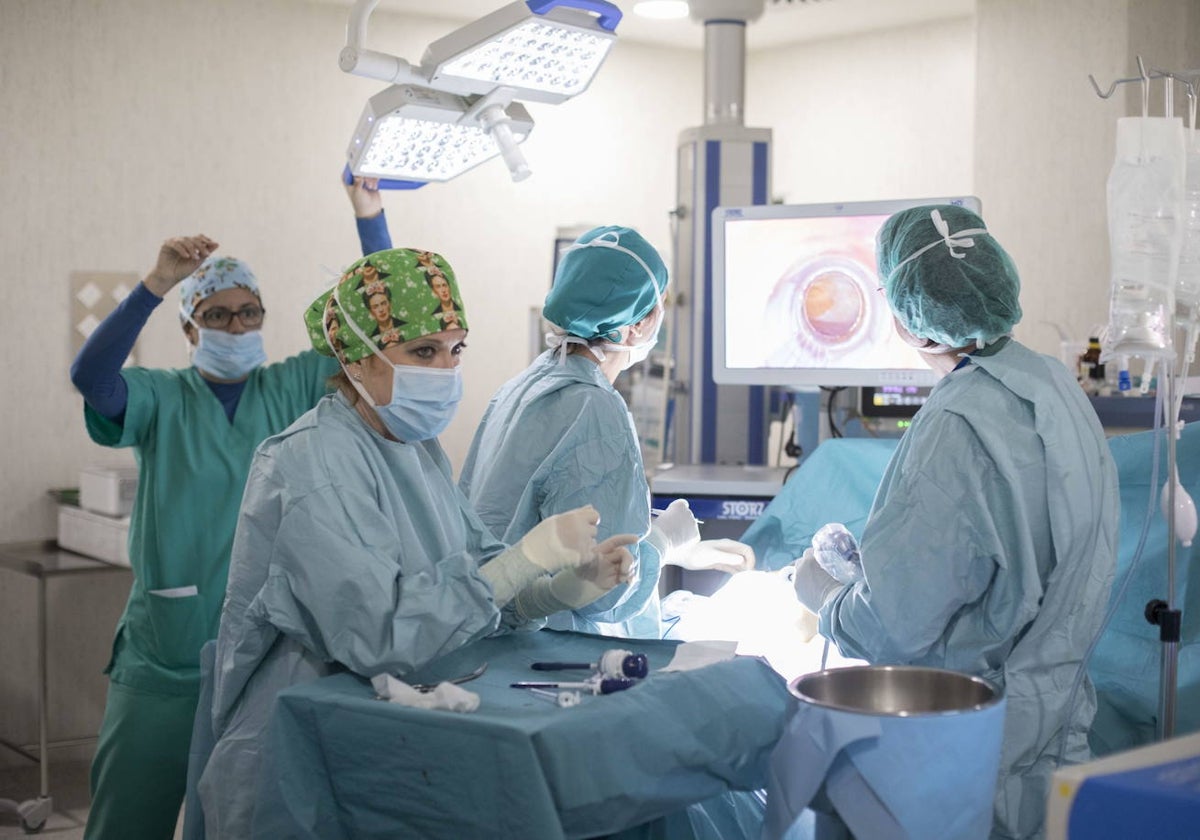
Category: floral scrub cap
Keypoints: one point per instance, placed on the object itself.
(215, 274)
(384, 299)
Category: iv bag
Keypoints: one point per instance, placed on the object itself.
(1145, 229)
(1187, 287)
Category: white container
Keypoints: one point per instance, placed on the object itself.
(108, 490)
(94, 534)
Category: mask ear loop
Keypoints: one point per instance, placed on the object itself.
(336, 297)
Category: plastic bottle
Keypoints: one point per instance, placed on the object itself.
(1092, 370)
(1145, 226)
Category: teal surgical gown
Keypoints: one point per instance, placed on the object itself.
(554, 438)
(352, 551)
(990, 549)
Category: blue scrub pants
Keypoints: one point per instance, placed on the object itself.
(140, 770)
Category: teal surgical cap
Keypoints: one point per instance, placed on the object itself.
(610, 278)
(947, 279)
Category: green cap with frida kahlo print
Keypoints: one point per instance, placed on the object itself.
(391, 297)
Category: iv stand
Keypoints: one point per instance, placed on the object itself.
(1158, 612)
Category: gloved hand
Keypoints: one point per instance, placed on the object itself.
(675, 527)
(557, 542)
(814, 585)
(561, 541)
(579, 586)
(612, 564)
(837, 552)
(728, 556)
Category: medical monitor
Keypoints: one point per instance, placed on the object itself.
(797, 300)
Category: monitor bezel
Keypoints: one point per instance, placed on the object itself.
(807, 377)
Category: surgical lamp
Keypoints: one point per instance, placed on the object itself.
(458, 107)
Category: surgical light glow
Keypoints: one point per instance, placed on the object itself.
(661, 9)
(424, 150)
(537, 56)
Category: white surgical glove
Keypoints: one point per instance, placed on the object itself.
(814, 586)
(557, 542)
(837, 552)
(579, 586)
(676, 525)
(720, 555)
(612, 564)
(674, 530)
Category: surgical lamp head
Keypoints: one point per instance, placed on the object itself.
(410, 135)
(544, 50)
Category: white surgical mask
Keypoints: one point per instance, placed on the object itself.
(226, 355)
(639, 352)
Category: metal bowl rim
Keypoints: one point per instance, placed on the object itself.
(997, 693)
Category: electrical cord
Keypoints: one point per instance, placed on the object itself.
(834, 431)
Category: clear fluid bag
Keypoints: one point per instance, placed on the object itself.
(1145, 226)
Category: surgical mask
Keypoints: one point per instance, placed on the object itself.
(639, 352)
(226, 355)
(424, 399)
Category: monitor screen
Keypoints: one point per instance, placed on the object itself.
(797, 299)
(900, 401)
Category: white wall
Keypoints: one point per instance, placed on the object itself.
(125, 123)
(886, 115)
(1045, 141)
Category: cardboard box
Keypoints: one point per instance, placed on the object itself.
(108, 490)
(94, 534)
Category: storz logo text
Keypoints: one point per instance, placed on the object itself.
(742, 510)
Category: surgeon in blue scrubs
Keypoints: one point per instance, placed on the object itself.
(559, 434)
(991, 544)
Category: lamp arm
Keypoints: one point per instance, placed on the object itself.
(357, 59)
(490, 112)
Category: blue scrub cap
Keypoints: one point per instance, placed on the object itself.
(214, 275)
(610, 278)
(947, 279)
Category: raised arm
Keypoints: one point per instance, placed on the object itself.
(96, 371)
(373, 232)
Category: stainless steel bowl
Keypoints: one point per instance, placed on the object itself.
(896, 690)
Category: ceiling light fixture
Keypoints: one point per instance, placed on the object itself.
(468, 83)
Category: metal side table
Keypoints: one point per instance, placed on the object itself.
(43, 560)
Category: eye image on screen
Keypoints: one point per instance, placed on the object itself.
(822, 310)
(805, 293)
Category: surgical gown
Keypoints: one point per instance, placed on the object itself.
(351, 551)
(554, 438)
(990, 549)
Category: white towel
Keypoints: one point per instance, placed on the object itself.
(446, 696)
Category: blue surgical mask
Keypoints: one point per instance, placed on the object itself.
(423, 402)
(226, 355)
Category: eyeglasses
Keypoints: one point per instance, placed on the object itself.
(219, 317)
